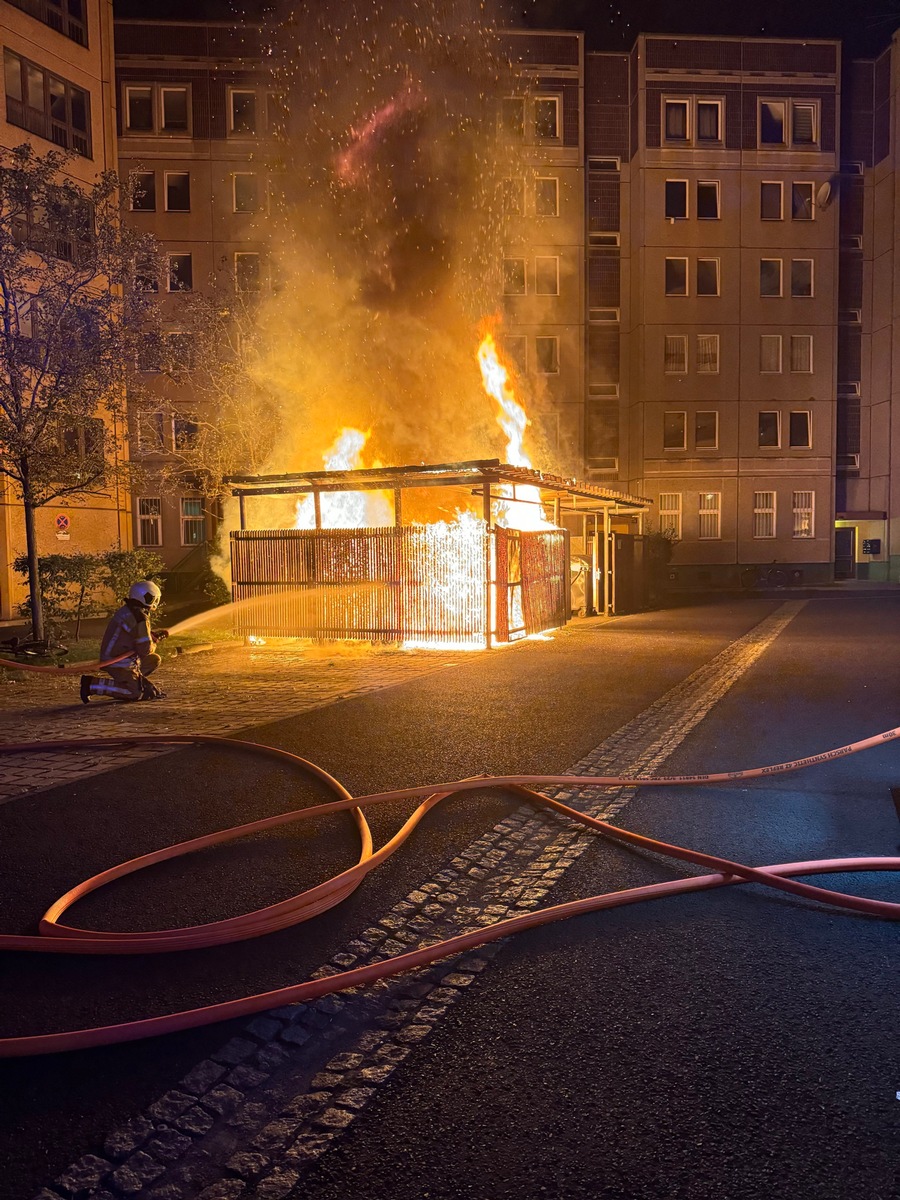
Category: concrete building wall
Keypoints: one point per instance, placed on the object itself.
(84, 60)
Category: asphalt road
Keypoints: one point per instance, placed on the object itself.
(730, 1044)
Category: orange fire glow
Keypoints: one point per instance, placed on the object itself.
(346, 510)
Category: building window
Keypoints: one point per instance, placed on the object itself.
(801, 353)
(546, 352)
(800, 431)
(178, 191)
(47, 105)
(709, 121)
(514, 277)
(706, 430)
(139, 109)
(708, 200)
(801, 277)
(710, 515)
(770, 353)
(803, 124)
(771, 122)
(763, 514)
(674, 431)
(514, 348)
(802, 202)
(247, 272)
(770, 201)
(245, 193)
(676, 354)
(769, 431)
(143, 191)
(546, 196)
(65, 16)
(676, 120)
(181, 273)
(707, 277)
(803, 505)
(513, 197)
(676, 199)
(670, 514)
(84, 441)
(512, 116)
(180, 353)
(173, 105)
(151, 434)
(185, 432)
(770, 277)
(676, 277)
(546, 276)
(707, 354)
(193, 523)
(546, 118)
(242, 112)
(150, 521)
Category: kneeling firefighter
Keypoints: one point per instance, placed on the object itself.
(128, 633)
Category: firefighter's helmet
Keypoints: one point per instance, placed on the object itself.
(146, 594)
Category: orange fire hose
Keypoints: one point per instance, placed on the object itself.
(58, 938)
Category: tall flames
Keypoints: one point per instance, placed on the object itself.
(346, 510)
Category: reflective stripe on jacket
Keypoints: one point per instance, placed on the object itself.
(128, 634)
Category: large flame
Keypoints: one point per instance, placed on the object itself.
(345, 510)
(521, 507)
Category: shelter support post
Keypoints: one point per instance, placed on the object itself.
(243, 511)
(607, 567)
(486, 513)
(317, 506)
(398, 507)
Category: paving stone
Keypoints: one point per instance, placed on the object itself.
(310, 1102)
(225, 1189)
(413, 1033)
(170, 1105)
(355, 1098)
(277, 1185)
(245, 1078)
(135, 1173)
(248, 1164)
(202, 1077)
(271, 1057)
(276, 1135)
(168, 1145)
(344, 1062)
(248, 1117)
(222, 1099)
(375, 1074)
(332, 1118)
(196, 1120)
(295, 1034)
(84, 1175)
(326, 1079)
(128, 1138)
(310, 1146)
(264, 1028)
(235, 1051)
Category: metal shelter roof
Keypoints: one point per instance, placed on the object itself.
(475, 474)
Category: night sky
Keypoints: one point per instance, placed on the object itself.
(865, 25)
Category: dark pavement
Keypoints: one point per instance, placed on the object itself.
(730, 1044)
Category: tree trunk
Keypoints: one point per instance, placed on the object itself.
(34, 571)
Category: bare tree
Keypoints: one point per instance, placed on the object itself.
(72, 316)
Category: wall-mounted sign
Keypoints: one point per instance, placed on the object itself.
(871, 545)
(62, 527)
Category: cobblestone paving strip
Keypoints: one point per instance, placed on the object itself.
(250, 1119)
(221, 692)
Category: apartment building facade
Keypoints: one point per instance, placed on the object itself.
(59, 94)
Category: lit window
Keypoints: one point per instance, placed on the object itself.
(676, 354)
(676, 120)
(771, 123)
(802, 202)
(546, 196)
(246, 192)
(770, 353)
(710, 515)
(674, 431)
(178, 191)
(708, 200)
(709, 121)
(706, 431)
(150, 521)
(670, 514)
(707, 277)
(174, 110)
(676, 199)
(143, 191)
(707, 354)
(546, 276)
(243, 112)
(193, 523)
(770, 277)
(676, 277)
(514, 276)
(800, 431)
(801, 353)
(546, 118)
(763, 514)
(803, 505)
(181, 273)
(801, 277)
(546, 350)
(769, 430)
(803, 124)
(770, 206)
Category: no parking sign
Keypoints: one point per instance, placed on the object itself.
(62, 527)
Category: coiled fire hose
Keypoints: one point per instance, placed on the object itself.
(56, 938)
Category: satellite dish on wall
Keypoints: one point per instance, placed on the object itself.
(825, 195)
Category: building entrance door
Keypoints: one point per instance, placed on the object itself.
(845, 553)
